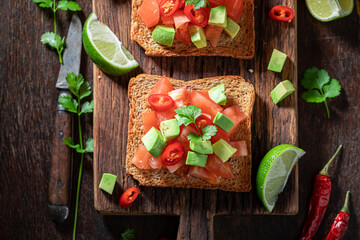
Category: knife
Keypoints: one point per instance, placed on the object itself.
(61, 160)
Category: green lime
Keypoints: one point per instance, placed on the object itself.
(328, 10)
(105, 49)
(274, 171)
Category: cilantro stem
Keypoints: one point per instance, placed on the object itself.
(54, 11)
(197, 129)
(327, 109)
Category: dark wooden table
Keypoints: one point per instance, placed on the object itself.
(28, 97)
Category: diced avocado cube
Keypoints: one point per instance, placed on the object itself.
(164, 35)
(170, 129)
(223, 150)
(217, 94)
(232, 28)
(196, 159)
(218, 16)
(281, 91)
(277, 61)
(203, 147)
(108, 182)
(154, 142)
(223, 122)
(197, 36)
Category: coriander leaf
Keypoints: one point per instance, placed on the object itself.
(75, 82)
(187, 114)
(208, 132)
(44, 3)
(53, 40)
(313, 96)
(79, 150)
(89, 145)
(68, 103)
(332, 89)
(194, 137)
(70, 143)
(87, 107)
(128, 234)
(315, 79)
(69, 5)
(85, 90)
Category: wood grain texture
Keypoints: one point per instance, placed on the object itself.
(28, 100)
(273, 125)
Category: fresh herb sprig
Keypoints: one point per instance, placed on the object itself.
(128, 234)
(187, 115)
(53, 39)
(197, 4)
(320, 87)
(80, 89)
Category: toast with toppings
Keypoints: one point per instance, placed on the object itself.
(241, 47)
(239, 93)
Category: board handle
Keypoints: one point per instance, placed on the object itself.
(60, 172)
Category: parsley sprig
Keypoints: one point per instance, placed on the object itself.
(80, 89)
(128, 234)
(320, 87)
(187, 115)
(53, 39)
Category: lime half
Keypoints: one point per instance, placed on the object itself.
(274, 171)
(105, 49)
(328, 10)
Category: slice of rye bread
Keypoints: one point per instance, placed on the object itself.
(242, 46)
(239, 93)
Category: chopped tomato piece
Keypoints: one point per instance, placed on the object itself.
(220, 134)
(172, 154)
(180, 18)
(234, 9)
(182, 138)
(241, 148)
(182, 34)
(204, 174)
(199, 17)
(183, 172)
(182, 4)
(149, 121)
(213, 34)
(281, 13)
(167, 20)
(168, 7)
(162, 116)
(149, 13)
(141, 158)
(219, 168)
(207, 105)
(181, 97)
(216, 3)
(236, 115)
(128, 197)
(155, 163)
(161, 102)
(163, 86)
(177, 166)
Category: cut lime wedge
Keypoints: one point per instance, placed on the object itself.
(274, 171)
(328, 10)
(105, 49)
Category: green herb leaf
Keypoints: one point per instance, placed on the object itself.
(54, 41)
(89, 145)
(87, 107)
(75, 83)
(194, 137)
(187, 114)
(128, 234)
(208, 132)
(314, 78)
(85, 90)
(44, 3)
(69, 103)
(313, 96)
(68, 5)
(196, 3)
(332, 89)
(70, 143)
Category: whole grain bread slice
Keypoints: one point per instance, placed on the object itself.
(242, 46)
(239, 93)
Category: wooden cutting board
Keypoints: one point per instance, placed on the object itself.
(272, 124)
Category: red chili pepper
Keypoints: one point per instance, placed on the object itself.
(281, 13)
(168, 7)
(341, 222)
(319, 201)
(199, 17)
(172, 154)
(161, 102)
(128, 197)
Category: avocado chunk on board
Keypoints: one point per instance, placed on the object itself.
(154, 142)
(108, 182)
(277, 61)
(281, 91)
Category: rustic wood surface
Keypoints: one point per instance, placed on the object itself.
(28, 99)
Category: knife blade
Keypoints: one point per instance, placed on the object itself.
(61, 161)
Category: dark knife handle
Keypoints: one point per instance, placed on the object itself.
(60, 173)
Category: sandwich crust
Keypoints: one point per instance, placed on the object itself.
(239, 93)
(241, 47)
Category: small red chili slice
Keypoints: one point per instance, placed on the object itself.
(202, 121)
(199, 17)
(281, 13)
(128, 197)
(172, 154)
(161, 102)
(168, 7)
